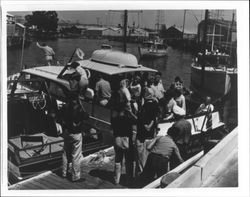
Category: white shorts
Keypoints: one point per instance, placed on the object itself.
(48, 58)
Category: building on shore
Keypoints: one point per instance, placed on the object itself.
(15, 32)
(176, 38)
(175, 33)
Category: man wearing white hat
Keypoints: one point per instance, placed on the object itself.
(182, 130)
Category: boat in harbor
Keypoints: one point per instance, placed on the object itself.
(219, 77)
(214, 70)
(153, 49)
(33, 92)
(33, 144)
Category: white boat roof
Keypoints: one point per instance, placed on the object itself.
(48, 72)
(104, 61)
(113, 62)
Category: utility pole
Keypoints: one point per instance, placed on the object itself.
(97, 20)
(125, 30)
(231, 42)
(204, 48)
(125, 24)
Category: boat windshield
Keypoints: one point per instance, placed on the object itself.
(28, 83)
(25, 84)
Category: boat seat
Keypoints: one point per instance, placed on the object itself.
(26, 149)
(38, 140)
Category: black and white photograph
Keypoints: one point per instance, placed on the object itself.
(99, 98)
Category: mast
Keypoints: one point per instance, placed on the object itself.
(231, 33)
(231, 43)
(212, 46)
(23, 48)
(204, 48)
(125, 30)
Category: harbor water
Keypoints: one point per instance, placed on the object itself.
(176, 63)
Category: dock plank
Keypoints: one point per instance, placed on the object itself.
(36, 185)
(62, 183)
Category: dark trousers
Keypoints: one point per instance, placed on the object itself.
(129, 155)
(155, 165)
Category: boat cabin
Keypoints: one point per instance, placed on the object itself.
(154, 45)
(113, 66)
(36, 100)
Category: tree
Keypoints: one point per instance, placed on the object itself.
(45, 21)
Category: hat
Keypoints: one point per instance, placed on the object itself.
(149, 94)
(178, 111)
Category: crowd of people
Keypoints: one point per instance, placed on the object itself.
(141, 102)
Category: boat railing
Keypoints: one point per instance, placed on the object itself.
(36, 154)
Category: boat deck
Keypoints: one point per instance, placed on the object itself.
(96, 169)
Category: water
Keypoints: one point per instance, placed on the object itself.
(176, 63)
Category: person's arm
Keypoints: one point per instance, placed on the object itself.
(177, 153)
(183, 103)
(97, 90)
(37, 44)
(132, 117)
(200, 108)
(169, 117)
(53, 53)
(134, 133)
(59, 129)
(149, 126)
(152, 143)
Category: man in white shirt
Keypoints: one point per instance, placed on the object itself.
(205, 107)
(48, 52)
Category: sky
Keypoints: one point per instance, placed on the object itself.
(143, 18)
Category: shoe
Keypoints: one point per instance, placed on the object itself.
(79, 180)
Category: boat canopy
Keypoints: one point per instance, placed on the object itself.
(113, 62)
(47, 72)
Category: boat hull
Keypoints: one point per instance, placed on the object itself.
(217, 82)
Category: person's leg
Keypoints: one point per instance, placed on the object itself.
(48, 60)
(76, 156)
(129, 155)
(118, 164)
(149, 170)
(161, 165)
(66, 155)
(140, 161)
